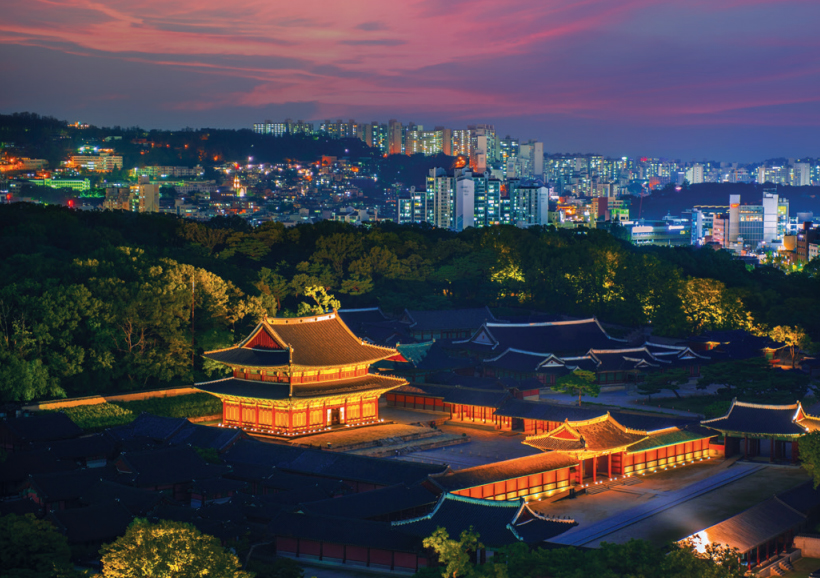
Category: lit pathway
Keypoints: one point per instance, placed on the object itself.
(582, 535)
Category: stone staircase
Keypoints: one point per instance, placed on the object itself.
(781, 568)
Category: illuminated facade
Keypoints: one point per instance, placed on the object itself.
(300, 375)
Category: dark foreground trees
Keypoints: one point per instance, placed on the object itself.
(636, 558)
(32, 548)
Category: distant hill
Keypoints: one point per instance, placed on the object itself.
(671, 201)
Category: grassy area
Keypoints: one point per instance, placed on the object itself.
(804, 567)
(104, 415)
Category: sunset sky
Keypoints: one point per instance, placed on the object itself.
(735, 80)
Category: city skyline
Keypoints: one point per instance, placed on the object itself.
(729, 80)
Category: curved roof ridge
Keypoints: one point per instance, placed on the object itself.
(224, 379)
(767, 406)
(544, 323)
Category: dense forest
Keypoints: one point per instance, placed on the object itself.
(102, 301)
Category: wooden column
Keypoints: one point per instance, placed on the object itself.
(609, 466)
(594, 469)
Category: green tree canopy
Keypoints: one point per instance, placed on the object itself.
(32, 548)
(578, 382)
(170, 550)
(658, 381)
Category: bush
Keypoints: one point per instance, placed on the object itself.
(99, 417)
(104, 415)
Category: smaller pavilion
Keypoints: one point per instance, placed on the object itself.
(604, 447)
(598, 444)
(759, 430)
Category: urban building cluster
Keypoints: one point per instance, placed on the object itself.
(489, 181)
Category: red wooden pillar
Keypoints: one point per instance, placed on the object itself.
(609, 466)
(594, 469)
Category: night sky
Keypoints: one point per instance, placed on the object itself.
(734, 80)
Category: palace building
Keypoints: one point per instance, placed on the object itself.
(300, 375)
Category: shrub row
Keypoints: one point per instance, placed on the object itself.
(104, 415)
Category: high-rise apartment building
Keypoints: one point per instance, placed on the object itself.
(283, 128)
(439, 198)
(146, 195)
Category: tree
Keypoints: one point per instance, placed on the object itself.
(578, 382)
(794, 338)
(755, 378)
(324, 302)
(455, 555)
(657, 381)
(32, 548)
(809, 451)
(168, 549)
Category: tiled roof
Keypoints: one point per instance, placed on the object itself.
(324, 341)
(66, 486)
(201, 436)
(758, 419)
(501, 471)
(490, 519)
(139, 502)
(42, 427)
(462, 395)
(90, 446)
(650, 423)
(735, 344)
(246, 357)
(334, 465)
(355, 317)
(544, 411)
(171, 465)
(755, 526)
(349, 531)
(803, 498)
(471, 381)
(375, 503)
(594, 435)
(670, 438)
(251, 389)
(99, 523)
(148, 426)
(625, 359)
(18, 465)
(560, 337)
(318, 341)
(448, 319)
(496, 522)
(432, 356)
(516, 360)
